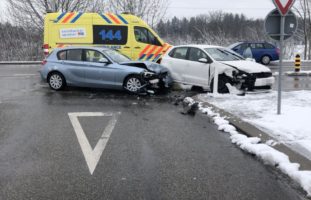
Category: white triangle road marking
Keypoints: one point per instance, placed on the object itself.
(92, 156)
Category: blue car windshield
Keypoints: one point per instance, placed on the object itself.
(220, 54)
(116, 56)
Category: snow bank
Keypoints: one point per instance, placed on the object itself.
(292, 127)
(265, 152)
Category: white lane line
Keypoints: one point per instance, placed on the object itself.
(25, 75)
(92, 156)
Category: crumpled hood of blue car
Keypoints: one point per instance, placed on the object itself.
(151, 66)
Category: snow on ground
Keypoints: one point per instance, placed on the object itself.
(292, 127)
(265, 152)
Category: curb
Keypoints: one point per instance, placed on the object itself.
(20, 62)
(252, 131)
(307, 73)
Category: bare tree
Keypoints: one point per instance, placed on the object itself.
(151, 11)
(304, 11)
(30, 13)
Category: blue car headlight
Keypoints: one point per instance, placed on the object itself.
(148, 74)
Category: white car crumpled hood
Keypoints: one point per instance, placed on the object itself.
(247, 66)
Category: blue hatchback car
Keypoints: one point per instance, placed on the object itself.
(262, 52)
(102, 68)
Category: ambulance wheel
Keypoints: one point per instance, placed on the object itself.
(56, 81)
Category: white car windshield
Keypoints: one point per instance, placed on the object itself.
(220, 54)
(116, 56)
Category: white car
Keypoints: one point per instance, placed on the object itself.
(194, 65)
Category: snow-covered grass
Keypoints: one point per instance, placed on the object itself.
(265, 152)
(292, 127)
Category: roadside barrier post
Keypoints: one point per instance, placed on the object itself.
(297, 63)
(215, 88)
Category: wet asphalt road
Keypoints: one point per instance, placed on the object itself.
(153, 152)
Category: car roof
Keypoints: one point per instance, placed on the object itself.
(200, 46)
(254, 42)
(83, 47)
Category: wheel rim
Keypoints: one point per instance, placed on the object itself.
(56, 81)
(265, 59)
(133, 84)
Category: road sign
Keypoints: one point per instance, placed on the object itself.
(283, 5)
(273, 25)
(278, 29)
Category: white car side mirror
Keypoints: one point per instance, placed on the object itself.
(203, 60)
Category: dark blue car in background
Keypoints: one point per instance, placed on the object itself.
(262, 52)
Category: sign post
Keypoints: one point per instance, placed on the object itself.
(288, 25)
(281, 66)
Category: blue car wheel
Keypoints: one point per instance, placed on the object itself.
(133, 84)
(56, 81)
(265, 60)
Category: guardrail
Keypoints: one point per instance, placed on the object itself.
(20, 62)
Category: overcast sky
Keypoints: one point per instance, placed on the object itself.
(251, 8)
(187, 8)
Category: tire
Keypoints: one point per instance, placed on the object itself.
(133, 84)
(56, 81)
(222, 81)
(265, 60)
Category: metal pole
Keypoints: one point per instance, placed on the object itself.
(281, 65)
(215, 88)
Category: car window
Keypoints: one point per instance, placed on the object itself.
(74, 54)
(116, 56)
(244, 46)
(62, 55)
(180, 53)
(237, 47)
(257, 46)
(143, 35)
(107, 34)
(234, 45)
(221, 54)
(269, 46)
(260, 46)
(93, 56)
(195, 54)
(241, 47)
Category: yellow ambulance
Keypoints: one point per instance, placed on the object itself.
(125, 32)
